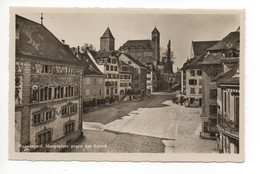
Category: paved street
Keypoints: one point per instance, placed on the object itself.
(154, 124)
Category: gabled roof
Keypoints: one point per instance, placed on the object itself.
(155, 30)
(105, 54)
(92, 52)
(231, 41)
(212, 58)
(230, 77)
(134, 60)
(89, 66)
(35, 40)
(107, 34)
(123, 63)
(200, 47)
(137, 43)
(230, 60)
(195, 63)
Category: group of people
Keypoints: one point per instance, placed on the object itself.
(178, 99)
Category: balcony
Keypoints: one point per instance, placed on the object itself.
(228, 126)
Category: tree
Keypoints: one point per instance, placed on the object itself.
(86, 47)
(169, 59)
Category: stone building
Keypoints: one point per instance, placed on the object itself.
(107, 41)
(145, 51)
(48, 78)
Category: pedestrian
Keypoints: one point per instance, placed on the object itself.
(181, 99)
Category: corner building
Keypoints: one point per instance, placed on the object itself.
(48, 78)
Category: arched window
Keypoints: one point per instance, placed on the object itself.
(114, 61)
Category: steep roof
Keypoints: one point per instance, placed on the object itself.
(231, 41)
(230, 77)
(230, 60)
(155, 30)
(105, 54)
(200, 47)
(107, 34)
(89, 66)
(123, 63)
(143, 43)
(35, 40)
(195, 63)
(212, 58)
(134, 60)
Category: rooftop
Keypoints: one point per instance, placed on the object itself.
(194, 63)
(34, 39)
(230, 77)
(231, 41)
(107, 34)
(200, 47)
(212, 58)
(143, 43)
(155, 30)
(135, 61)
(105, 54)
(89, 66)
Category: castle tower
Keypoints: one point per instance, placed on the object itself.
(156, 41)
(107, 41)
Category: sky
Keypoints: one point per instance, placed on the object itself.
(79, 28)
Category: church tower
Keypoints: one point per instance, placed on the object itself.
(107, 41)
(156, 42)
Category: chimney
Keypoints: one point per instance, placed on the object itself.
(78, 49)
(73, 50)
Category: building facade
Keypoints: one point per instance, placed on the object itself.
(194, 87)
(228, 83)
(228, 113)
(211, 67)
(48, 80)
(125, 79)
(198, 49)
(110, 64)
(139, 74)
(151, 78)
(93, 86)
